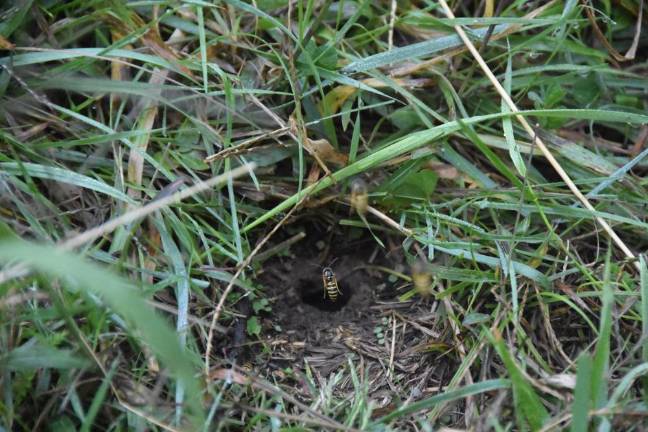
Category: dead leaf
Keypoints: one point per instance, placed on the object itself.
(230, 375)
(566, 381)
(334, 99)
(616, 55)
(5, 44)
(313, 174)
(151, 38)
(444, 171)
(325, 151)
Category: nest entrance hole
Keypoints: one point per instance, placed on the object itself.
(312, 293)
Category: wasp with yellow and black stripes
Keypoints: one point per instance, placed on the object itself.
(330, 282)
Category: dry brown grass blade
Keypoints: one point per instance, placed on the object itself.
(118, 69)
(146, 119)
(246, 145)
(392, 22)
(489, 8)
(632, 51)
(5, 44)
(538, 142)
(151, 38)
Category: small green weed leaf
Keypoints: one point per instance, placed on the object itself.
(324, 56)
(405, 118)
(586, 90)
(554, 95)
(475, 318)
(409, 183)
(261, 304)
(253, 326)
(420, 184)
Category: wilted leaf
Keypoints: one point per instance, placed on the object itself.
(325, 151)
(5, 44)
(229, 375)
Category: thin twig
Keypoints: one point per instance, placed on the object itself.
(392, 352)
(389, 221)
(284, 245)
(531, 132)
(392, 22)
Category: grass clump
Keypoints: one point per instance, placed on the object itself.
(176, 175)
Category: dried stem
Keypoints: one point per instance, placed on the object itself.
(541, 145)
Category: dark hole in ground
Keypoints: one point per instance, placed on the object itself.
(294, 281)
(312, 293)
(311, 332)
(301, 308)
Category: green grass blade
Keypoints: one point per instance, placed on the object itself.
(414, 51)
(449, 396)
(203, 47)
(582, 394)
(507, 125)
(355, 137)
(643, 289)
(172, 251)
(418, 139)
(123, 298)
(602, 351)
(63, 176)
(527, 403)
(618, 174)
(98, 400)
(626, 384)
(67, 54)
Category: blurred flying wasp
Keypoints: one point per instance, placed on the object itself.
(421, 277)
(330, 284)
(359, 198)
(359, 201)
